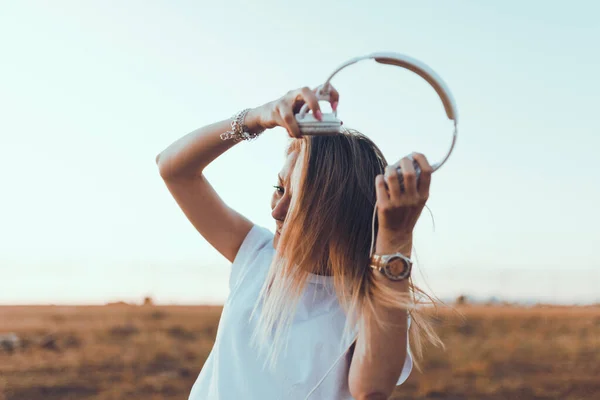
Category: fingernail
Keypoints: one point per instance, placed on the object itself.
(334, 105)
(318, 115)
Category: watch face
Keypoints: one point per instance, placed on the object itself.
(396, 269)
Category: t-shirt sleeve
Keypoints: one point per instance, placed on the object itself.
(256, 240)
(408, 362)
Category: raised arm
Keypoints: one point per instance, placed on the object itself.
(181, 166)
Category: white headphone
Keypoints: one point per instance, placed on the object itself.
(331, 125)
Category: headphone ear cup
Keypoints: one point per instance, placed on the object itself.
(401, 175)
(309, 125)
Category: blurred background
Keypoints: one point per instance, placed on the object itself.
(91, 92)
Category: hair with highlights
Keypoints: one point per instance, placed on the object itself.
(327, 231)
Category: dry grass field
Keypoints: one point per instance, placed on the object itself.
(155, 352)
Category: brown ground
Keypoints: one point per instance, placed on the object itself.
(150, 352)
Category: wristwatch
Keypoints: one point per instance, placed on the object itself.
(395, 267)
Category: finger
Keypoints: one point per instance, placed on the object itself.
(281, 122)
(295, 98)
(289, 123)
(409, 176)
(313, 103)
(334, 97)
(383, 198)
(393, 183)
(425, 177)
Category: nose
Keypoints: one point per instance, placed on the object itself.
(281, 208)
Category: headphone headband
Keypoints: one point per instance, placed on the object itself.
(415, 66)
(331, 125)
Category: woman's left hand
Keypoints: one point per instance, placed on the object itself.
(397, 210)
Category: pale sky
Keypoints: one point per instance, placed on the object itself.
(91, 92)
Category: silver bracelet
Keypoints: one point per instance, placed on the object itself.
(239, 131)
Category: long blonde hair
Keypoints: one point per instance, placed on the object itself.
(327, 231)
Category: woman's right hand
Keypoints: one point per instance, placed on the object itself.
(281, 112)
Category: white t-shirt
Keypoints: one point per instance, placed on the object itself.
(234, 369)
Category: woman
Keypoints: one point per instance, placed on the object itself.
(307, 316)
